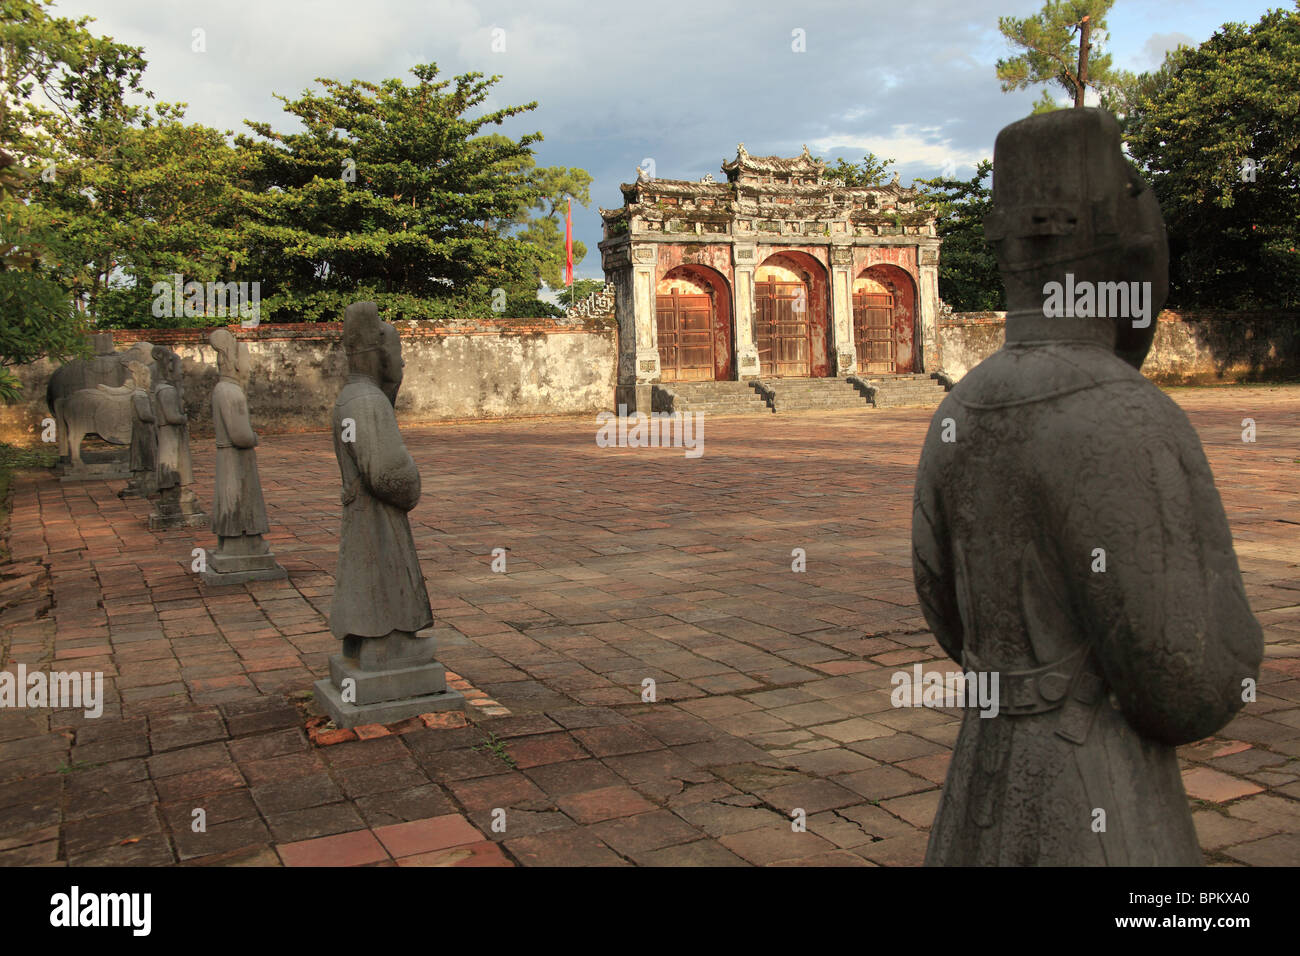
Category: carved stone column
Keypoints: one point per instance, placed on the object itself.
(645, 259)
(927, 258)
(745, 259)
(844, 356)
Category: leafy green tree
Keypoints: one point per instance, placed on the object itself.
(1217, 133)
(870, 172)
(56, 78)
(390, 193)
(968, 269)
(1061, 46)
(163, 202)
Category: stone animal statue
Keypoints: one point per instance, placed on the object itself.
(104, 410)
(105, 367)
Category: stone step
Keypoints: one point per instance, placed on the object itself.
(756, 401)
(708, 408)
(782, 405)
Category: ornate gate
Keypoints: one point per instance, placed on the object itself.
(685, 337)
(781, 331)
(873, 332)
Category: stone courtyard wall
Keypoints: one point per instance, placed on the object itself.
(1190, 348)
(473, 369)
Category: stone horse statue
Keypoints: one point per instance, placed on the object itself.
(104, 410)
(97, 413)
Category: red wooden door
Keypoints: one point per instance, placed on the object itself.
(781, 329)
(685, 326)
(873, 332)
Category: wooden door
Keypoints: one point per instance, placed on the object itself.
(781, 329)
(685, 326)
(873, 332)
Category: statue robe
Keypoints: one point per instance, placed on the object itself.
(144, 432)
(175, 466)
(1058, 448)
(379, 587)
(237, 507)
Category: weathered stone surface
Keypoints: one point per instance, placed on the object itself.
(348, 715)
(177, 505)
(94, 397)
(380, 606)
(1068, 536)
(238, 511)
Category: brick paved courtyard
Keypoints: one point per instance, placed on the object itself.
(772, 686)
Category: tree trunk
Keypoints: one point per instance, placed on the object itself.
(1081, 86)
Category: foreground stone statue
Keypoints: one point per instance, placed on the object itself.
(177, 506)
(1068, 537)
(238, 511)
(380, 611)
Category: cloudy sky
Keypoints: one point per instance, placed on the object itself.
(680, 83)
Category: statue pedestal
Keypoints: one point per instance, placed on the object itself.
(112, 465)
(101, 471)
(139, 488)
(178, 511)
(241, 568)
(384, 679)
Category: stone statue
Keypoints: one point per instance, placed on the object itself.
(105, 411)
(1068, 539)
(144, 434)
(238, 511)
(178, 506)
(92, 397)
(387, 670)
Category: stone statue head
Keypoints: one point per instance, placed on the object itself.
(1067, 202)
(233, 360)
(393, 364)
(168, 364)
(102, 342)
(363, 339)
(139, 374)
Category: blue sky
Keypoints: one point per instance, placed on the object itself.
(678, 82)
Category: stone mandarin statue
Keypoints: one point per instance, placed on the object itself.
(386, 671)
(177, 505)
(238, 511)
(144, 435)
(1068, 537)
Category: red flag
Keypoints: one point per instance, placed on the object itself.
(568, 245)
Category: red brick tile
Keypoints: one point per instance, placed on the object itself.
(606, 803)
(344, 849)
(424, 836)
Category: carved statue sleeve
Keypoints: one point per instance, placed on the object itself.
(142, 405)
(170, 404)
(1168, 615)
(239, 428)
(932, 569)
(382, 459)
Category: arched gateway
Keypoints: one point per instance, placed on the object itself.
(779, 272)
(884, 311)
(693, 325)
